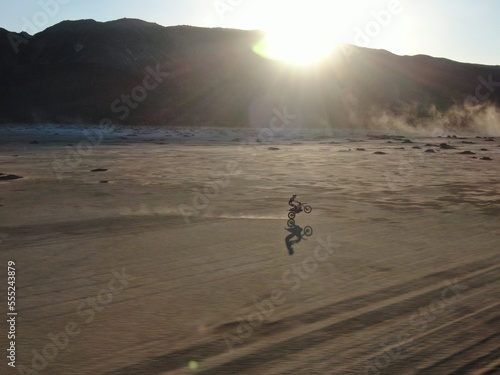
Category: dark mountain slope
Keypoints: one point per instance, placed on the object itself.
(84, 71)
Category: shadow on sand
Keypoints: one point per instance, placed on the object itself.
(298, 232)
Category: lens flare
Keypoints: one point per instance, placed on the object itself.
(193, 365)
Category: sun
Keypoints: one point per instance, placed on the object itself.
(303, 36)
(294, 46)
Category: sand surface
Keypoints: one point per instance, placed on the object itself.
(175, 257)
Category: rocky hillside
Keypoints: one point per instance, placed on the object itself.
(131, 71)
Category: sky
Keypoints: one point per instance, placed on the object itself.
(461, 30)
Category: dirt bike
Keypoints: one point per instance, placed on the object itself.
(299, 208)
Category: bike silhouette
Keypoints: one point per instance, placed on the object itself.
(298, 232)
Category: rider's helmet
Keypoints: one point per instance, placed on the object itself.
(294, 195)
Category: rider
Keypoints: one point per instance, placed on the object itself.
(292, 200)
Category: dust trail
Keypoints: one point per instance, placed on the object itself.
(247, 216)
(481, 119)
(144, 209)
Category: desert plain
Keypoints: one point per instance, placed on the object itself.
(167, 251)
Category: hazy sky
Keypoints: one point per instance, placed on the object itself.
(462, 30)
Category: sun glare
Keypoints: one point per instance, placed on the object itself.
(294, 46)
(303, 36)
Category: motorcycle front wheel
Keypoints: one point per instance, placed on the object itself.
(308, 231)
(307, 209)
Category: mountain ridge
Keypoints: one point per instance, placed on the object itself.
(73, 71)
